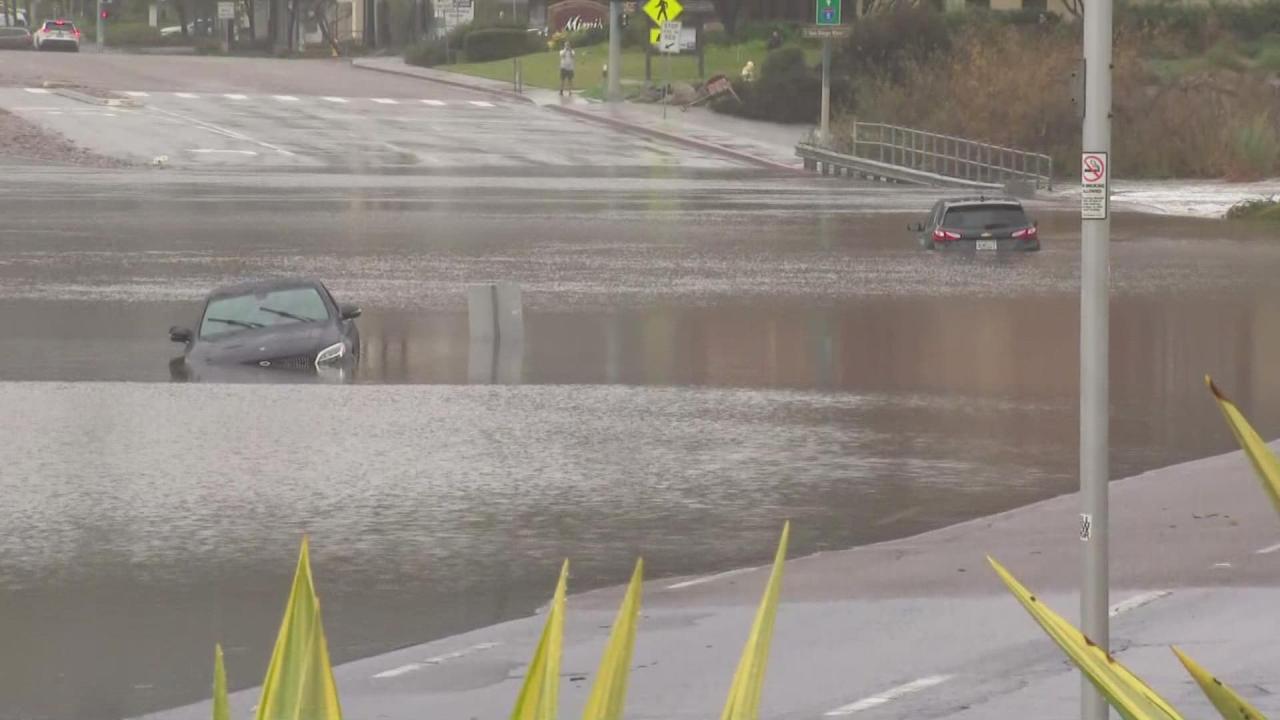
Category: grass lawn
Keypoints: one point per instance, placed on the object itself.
(543, 69)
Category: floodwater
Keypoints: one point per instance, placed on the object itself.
(705, 355)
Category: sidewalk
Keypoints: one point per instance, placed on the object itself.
(917, 627)
(766, 144)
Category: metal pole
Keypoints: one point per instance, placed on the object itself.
(102, 27)
(614, 92)
(1095, 240)
(825, 132)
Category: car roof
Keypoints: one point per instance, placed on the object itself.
(982, 200)
(256, 286)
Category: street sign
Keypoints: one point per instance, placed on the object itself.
(226, 10)
(669, 40)
(826, 31)
(1094, 182)
(828, 12)
(660, 11)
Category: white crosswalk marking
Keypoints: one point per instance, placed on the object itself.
(433, 103)
(137, 93)
(37, 91)
(188, 96)
(334, 99)
(385, 101)
(286, 98)
(481, 103)
(235, 96)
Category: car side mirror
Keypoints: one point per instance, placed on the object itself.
(178, 334)
(349, 312)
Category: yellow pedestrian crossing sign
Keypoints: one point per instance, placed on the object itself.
(660, 11)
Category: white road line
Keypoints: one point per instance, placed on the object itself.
(334, 99)
(235, 96)
(1222, 565)
(210, 151)
(396, 672)
(137, 93)
(37, 91)
(285, 98)
(889, 695)
(1138, 601)
(1268, 549)
(188, 96)
(437, 660)
(385, 101)
(433, 103)
(221, 130)
(709, 578)
(481, 103)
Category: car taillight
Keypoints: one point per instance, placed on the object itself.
(77, 33)
(941, 235)
(1025, 234)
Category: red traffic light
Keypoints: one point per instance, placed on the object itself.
(106, 14)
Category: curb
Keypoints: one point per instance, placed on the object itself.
(678, 139)
(505, 95)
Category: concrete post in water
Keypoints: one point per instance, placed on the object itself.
(495, 315)
(1094, 328)
(614, 92)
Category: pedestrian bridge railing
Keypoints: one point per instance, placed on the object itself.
(952, 157)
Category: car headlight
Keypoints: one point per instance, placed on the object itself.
(333, 353)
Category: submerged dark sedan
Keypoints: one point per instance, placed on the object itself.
(276, 325)
(978, 223)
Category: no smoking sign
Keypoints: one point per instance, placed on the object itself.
(1094, 181)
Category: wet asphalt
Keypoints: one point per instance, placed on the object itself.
(710, 348)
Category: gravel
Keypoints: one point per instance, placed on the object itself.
(21, 141)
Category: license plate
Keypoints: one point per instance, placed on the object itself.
(986, 244)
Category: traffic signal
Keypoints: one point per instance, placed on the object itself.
(105, 14)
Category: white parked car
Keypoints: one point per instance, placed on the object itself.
(54, 34)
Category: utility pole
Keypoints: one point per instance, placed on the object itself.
(102, 27)
(614, 92)
(1095, 240)
(825, 131)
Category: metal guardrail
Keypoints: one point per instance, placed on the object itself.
(950, 156)
(816, 157)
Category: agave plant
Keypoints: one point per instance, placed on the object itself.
(1126, 692)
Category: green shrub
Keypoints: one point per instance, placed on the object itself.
(139, 34)
(589, 36)
(1224, 56)
(498, 43)
(1255, 148)
(884, 45)
(1269, 59)
(1267, 209)
(429, 53)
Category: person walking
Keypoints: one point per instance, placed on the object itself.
(566, 68)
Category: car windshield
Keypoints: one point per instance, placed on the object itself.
(985, 217)
(257, 310)
(54, 25)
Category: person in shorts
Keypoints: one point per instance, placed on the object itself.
(566, 68)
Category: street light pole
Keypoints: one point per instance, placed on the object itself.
(102, 27)
(1095, 237)
(614, 92)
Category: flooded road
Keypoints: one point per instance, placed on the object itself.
(705, 354)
